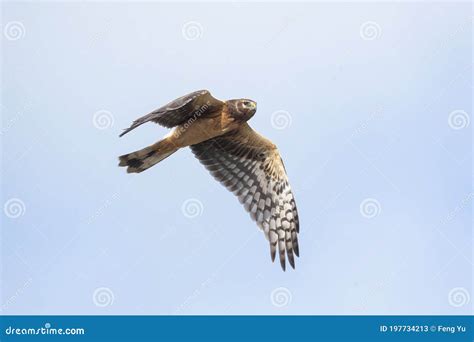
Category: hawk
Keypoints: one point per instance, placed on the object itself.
(246, 163)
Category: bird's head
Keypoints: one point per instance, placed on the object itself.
(242, 109)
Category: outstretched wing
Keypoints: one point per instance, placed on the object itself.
(177, 112)
(250, 166)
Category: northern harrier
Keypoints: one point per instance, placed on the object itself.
(245, 162)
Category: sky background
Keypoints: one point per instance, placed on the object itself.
(369, 104)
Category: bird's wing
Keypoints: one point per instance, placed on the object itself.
(197, 104)
(250, 166)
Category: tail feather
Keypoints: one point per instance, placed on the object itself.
(143, 159)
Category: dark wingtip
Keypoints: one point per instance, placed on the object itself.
(125, 131)
(296, 250)
(283, 263)
(291, 260)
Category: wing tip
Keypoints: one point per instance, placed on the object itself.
(291, 259)
(296, 250)
(126, 130)
(283, 264)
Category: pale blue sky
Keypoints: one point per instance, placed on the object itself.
(369, 89)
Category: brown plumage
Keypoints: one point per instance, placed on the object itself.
(246, 163)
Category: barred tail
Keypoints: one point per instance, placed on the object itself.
(143, 159)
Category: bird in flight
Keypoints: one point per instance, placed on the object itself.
(246, 163)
